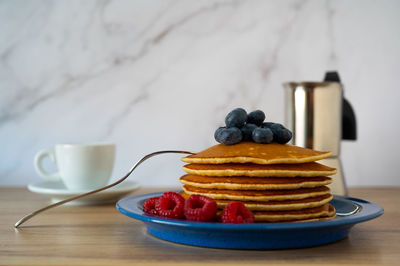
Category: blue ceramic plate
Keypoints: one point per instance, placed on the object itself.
(257, 235)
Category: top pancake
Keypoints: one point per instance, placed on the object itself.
(251, 152)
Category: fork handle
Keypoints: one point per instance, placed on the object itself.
(32, 214)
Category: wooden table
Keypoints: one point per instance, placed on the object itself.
(99, 235)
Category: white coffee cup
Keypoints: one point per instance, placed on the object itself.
(80, 166)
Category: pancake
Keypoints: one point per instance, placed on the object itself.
(283, 205)
(324, 218)
(251, 152)
(324, 212)
(258, 170)
(254, 183)
(258, 195)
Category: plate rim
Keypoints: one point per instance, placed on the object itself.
(370, 210)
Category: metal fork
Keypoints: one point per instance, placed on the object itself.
(29, 216)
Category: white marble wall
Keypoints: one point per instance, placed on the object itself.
(152, 75)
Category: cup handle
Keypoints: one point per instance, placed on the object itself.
(38, 165)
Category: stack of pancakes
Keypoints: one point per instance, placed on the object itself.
(277, 182)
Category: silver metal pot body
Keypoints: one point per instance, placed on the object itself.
(313, 112)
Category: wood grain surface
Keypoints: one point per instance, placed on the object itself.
(100, 235)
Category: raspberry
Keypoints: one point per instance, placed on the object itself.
(149, 206)
(200, 208)
(170, 205)
(235, 212)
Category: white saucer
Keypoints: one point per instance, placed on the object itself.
(57, 192)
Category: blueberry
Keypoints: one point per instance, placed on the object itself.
(262, 135)
(236, 118)
(218, 131)
(256, 117)
(282, 135)
(247, 131)
(267, 124)
(228, 136)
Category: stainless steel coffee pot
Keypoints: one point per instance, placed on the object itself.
(320, 117)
